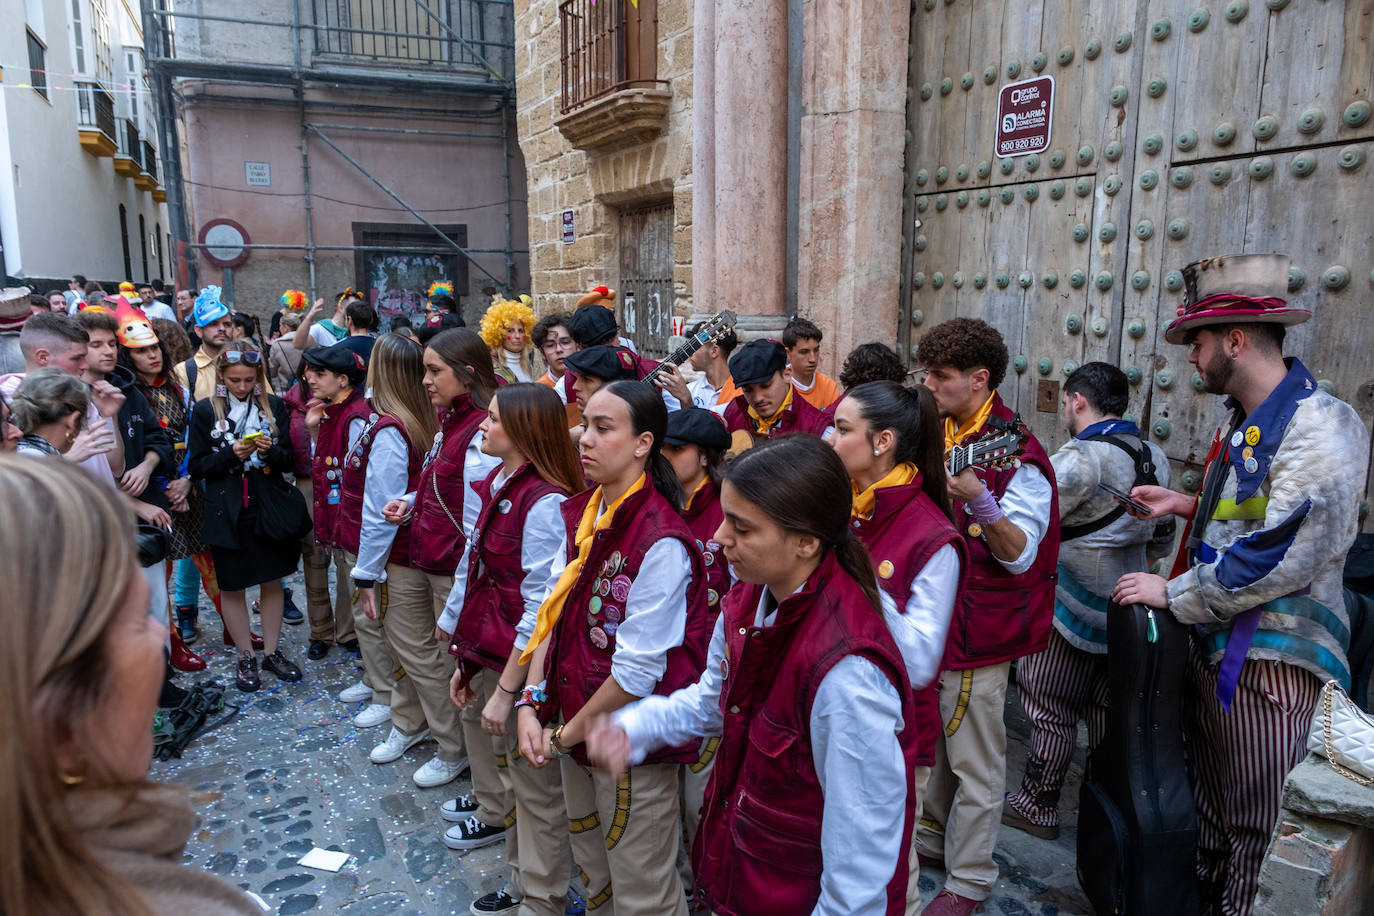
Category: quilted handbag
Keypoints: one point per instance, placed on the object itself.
(1343, 734)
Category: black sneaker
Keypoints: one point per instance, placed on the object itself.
(289, 612)
(283, 669)
(473, 834)
(457, 810)
(495, 902)
(186, 623)
(351, 646)
(248, 680)
(318, 650)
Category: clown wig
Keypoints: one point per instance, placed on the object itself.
(501, 313)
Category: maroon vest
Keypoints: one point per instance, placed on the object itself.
(296, 399)
(703, 517)
(326, 467)
(583, 640)
(350, 520)
(904, 533)
(492, 604)
(758, 849)
(436, 521)
(1004, 616)
(801, 417)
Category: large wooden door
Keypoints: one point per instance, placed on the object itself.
(1180, 130)
(646, 277)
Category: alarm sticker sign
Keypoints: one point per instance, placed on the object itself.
(1025, 111)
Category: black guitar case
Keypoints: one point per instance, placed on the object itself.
(1137, 829)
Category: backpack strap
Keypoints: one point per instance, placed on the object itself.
(1144, 474)
(191, 369)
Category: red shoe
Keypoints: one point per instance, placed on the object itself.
(183, 659)
(229, 640)
(948, 903)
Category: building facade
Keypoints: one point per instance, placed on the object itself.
(348, 143)
(80, 167)
(848, 164)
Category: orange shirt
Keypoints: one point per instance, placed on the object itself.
(822, 393)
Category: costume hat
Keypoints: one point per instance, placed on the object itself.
(757, 362)
(208, 307)
(598, 295)
(1231, 289)
(14, 308)
(295, 300)
(134, 331)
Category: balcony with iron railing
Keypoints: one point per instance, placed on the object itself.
(610, 95)
(147, 179)
(95, 119)
(415, 34)
(128, 159)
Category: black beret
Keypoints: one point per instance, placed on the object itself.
(337, 358)
(757, 362)
(604, 362)
(591, 324)
(697, 426)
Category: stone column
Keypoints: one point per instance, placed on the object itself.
(740, 160)
(854, 86)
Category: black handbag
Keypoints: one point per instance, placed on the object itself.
(282, 513)
(152, 545)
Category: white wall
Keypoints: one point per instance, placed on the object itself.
(59, 206)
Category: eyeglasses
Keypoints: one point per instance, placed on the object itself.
(246, 357)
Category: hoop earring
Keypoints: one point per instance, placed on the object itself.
(221, 391)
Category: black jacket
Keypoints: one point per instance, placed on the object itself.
(212, 462)
(140, 432)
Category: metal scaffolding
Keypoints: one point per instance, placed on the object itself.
(462, 49)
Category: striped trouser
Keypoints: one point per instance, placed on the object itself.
(1058, 686)
(1237, 765)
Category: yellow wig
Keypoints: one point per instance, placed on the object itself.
(501, 313)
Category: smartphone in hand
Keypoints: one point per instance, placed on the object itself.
(1125, 499)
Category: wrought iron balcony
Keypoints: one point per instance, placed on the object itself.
(611, 96)
(95, 118)
(128, 161)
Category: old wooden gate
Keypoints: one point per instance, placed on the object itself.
(646, 277)
(1181, 129)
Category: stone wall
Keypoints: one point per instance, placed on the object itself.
(596, 185)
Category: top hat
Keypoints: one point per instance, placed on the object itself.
(1230, 289)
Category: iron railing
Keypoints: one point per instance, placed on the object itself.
(95, 109)
(607, 47)
(129, 143)
(411, 31)
(150, 160)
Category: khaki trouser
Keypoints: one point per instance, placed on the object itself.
(381, 669)
(963, 805)
(637, 814)
(533, 812)
(695, 776)
(409, 603)
(328, 622)
(914, 905)
(487, 756)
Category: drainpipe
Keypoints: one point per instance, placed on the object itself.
(299, 89)
(792, 265)
(506, 112)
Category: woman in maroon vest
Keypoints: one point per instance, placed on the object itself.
(809, 808)
(891, 442)
(696, 442)
(626, 617)
(491, 611)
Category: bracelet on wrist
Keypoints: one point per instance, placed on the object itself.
(533, 697)
(504, 689)
(364, 583)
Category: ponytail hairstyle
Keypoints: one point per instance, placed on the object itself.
(396, 372)
(649, 415)
(536, 423)
(465, 353)
(801, 484)
(912, 416)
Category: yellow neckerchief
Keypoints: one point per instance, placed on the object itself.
(899, 476)
(552, 608)
(695, 490)
(762, 426)
(974, 423)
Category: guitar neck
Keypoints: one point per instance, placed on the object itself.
(677, 357)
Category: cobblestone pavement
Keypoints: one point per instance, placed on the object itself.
(290, 772)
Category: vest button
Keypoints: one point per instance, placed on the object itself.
(734, 710)
(743, 630)
(562, 680)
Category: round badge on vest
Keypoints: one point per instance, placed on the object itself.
(1238, 439)
(503, 507)
(599, 639)
(1252, 436)
(885, 568)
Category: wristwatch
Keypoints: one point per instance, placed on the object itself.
(555, 747)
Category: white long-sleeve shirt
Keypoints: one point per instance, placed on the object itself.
(388, 472)
(655, 613)
(540, 543)
(920, 629)
(854, 723)
(1026, 504)
(477, 464)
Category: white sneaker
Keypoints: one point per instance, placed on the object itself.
(395, 745)
(355, 694)
(371, 715)
(437, 772)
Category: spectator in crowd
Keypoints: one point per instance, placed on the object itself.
(75, 292)
(57, 301)
(803, 342)
(10, 433)
(326, 331)
(872, 362)
(215, 326)
(283, 359)
(440, 301)
(506, 327)
(50, 410)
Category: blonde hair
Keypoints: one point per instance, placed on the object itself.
(498, 317)
(64, 590)
(396, 372)
(221, 403)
